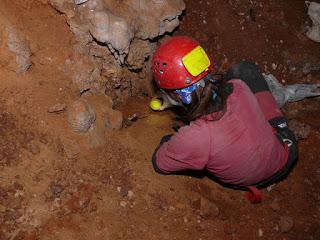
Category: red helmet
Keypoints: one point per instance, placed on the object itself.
(180, 62)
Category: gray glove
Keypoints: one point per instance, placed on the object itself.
(290, 93)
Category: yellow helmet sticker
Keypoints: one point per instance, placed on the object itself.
(196, 61)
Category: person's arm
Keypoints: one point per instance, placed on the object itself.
(186, 150)
(250, 73)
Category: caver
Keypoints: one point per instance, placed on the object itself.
(235, 131)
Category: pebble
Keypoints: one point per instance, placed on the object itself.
(81, 115)
(57, 108)
(208, 209)
(269, 189)
(78, 2)
(130, 194)
(301, 130)
(71, 148)
(275, 205)
(285, 224)
(55, 189)
(123, 204)
(124, 191)
(34, 148)
(113, 120)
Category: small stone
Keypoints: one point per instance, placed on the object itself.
(286, 224)
(78, 2)
(130, 194)
(208, 209)
(34, 148)
(57, 108)
(96, 136)
(275, 205)
(81, 115)
(105, 178)
(123, 204)
(123, 191)
(301, 130)
(114, 120)
(55, 189)
(269, 189)
(71, 148)
(171, 209)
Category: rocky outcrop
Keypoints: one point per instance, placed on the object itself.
(314, 14)
(118, 33)
(14, 49)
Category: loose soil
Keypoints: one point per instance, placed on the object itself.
(112, 192)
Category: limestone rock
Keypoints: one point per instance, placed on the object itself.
(71, 148)
(113, 31)
(64, 6)
(57, 108)
(314, 14)
(96, 136)
(15, 52)
(115, 40)
(139, 51)
(113, 120)
(81, 116)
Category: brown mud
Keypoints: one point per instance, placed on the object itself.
(112, 192)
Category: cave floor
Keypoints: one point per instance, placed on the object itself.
(112, 192)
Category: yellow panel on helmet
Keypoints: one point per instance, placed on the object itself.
(196, 61)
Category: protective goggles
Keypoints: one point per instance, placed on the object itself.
(185, 94)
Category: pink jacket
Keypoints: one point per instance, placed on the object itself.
(239, 148)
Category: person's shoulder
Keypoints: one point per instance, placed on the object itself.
(193, 135)
(240, 87)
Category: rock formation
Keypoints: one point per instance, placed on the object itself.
(119, 38)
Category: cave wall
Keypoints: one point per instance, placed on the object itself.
(115, 40)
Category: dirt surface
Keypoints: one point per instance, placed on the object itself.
(55, 185)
